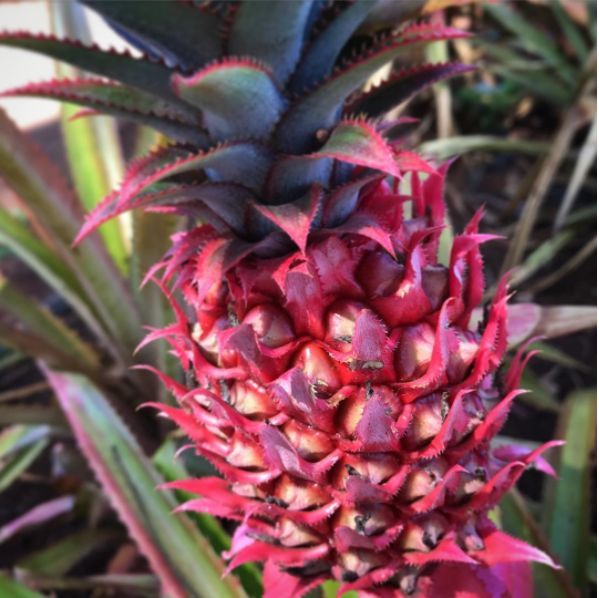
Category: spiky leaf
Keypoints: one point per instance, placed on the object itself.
(401, 86)
(238, 98)
(319, 108)
(145, 74)
(178, 554)
(320, 54)
(182, 33)
(281, 28)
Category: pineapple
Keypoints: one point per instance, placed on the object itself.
(333, 377)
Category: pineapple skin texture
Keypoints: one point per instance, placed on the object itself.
(347, 403)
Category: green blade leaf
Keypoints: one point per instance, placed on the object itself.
(11, 588)
(238, 98)
(38, 321)
(92, 146)
(58, 558)
(172, 469)
(184, 33)
(442, 149)
(516, 519)
(50, 202)
(319, 55)
(116, 100)
(15, 438)
(571, 31)
(533, 40)
(20, 462)
(319, 109)
(401, 86)
(147, 75)
(567, 506)
(178, 554)
(45, 263)
(281, 33)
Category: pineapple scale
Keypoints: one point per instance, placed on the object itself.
(346, 402)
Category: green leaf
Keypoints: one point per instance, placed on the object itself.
(54, 334)
(272, 32)
(330, 589)
(50, 203)
(538, 396)
(132, 585)
(319, 109)
(533, 40)
(320, 53)
(238, 98)
(92, 146)
(9, 587)
(541, 256)
(464, 144)
(403, 85)
(120, 101)
(166, 461)
(183, 32)
(567, 505)
(60, 557)
(12, 469)
(147, 75)
(44, 262)
(179, 555)
(554, 355)
(592, 561)
(571, 31)
(517, 520)
(15, 438)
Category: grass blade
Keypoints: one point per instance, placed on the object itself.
(567, 508)
(12, 469)
(92, 145)
(166, 461)
(585, 161)
(11, 588)
(516, 519)
(179, 555)
(59, 558)
(55, 211)
(464, 144)
(68, 349)
(533, 40)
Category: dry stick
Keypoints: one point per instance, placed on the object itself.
(576, 116)
(583, 165)
(573, 263)
(24, 391)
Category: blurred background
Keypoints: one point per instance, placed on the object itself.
(523, 128)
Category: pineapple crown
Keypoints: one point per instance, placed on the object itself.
(259, 99)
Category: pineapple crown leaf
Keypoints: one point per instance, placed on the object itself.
(107, 97)
(296, 218)
(145, 73)
(94, 92)
(181, 33)
(237, 96)
(320, 53)
(401, 85)
(291, 176)
(281, 25)
(237, 162)
(359, 143)
(344, 198)
(319, 108)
